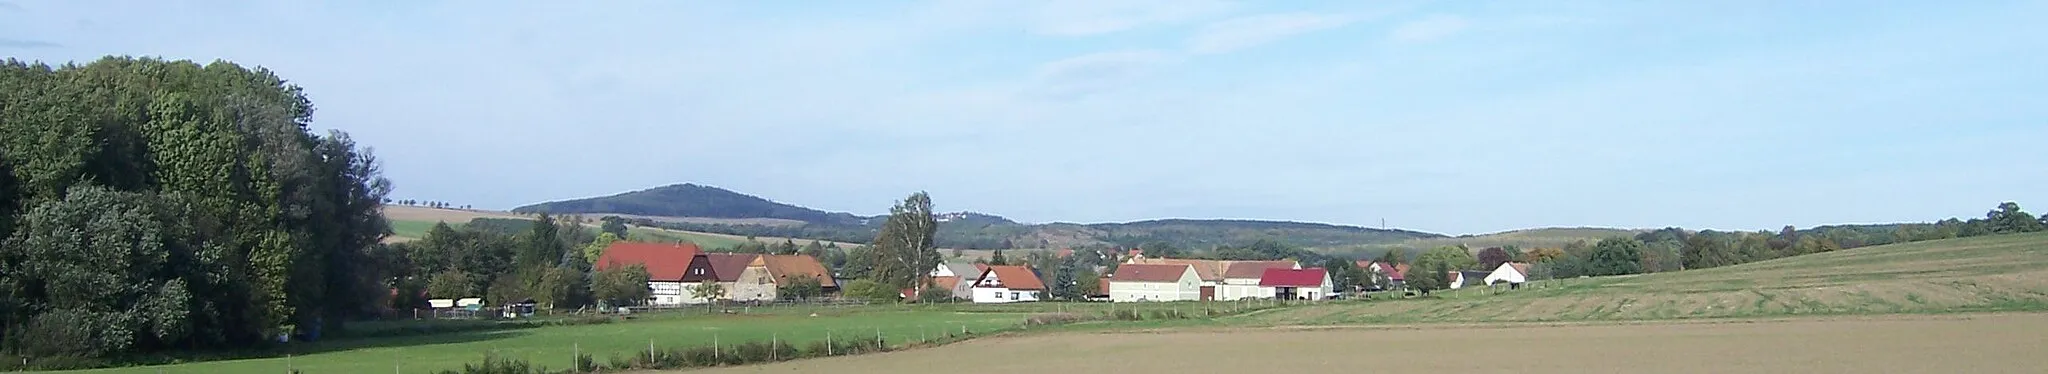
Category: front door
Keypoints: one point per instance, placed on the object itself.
(1208, 293)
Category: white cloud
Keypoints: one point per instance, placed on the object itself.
(1243, 32)
(1094, 17)
(1097, 72)
(1428, 29)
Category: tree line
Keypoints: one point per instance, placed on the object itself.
(152, 205)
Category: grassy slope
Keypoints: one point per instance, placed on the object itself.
(1997, 273)
(554, 346)
(413, 222)
(1551, 237)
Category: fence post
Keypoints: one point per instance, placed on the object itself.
(650, 351)
(774, 345)
(828, 342)
(921, 337)
(714, 346)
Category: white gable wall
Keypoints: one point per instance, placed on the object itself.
(1188, 288)
(1506, 273)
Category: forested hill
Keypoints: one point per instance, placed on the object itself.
(956, 230)
(692, 200)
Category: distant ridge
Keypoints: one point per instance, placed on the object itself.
(692, 204)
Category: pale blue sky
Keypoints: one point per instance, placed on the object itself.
(1454, 117)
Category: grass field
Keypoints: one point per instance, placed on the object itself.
(1994, 273)
(1553, 237)
(1918, 344)
(555, 346)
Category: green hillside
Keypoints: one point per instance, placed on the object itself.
(1989, 273)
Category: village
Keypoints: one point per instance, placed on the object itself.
(678, 274)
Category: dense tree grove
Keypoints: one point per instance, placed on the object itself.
(152, 205)
(904, 254)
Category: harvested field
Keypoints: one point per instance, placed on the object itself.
(2002, 343)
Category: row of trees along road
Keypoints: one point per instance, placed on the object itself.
(151, 205)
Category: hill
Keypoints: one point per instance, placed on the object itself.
(411, 223)
(1549, 237)
(692, 200)
(1986, 273)
(699, 208)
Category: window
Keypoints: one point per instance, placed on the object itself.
(1013, 296)
(699, 271)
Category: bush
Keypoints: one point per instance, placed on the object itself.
(1049, 319)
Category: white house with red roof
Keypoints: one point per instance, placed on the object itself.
(1241, 279)
(1298, 284)
(1155, 282)
(1008, 284)
(665, 263)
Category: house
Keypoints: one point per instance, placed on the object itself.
(666, 266)
(958, 271)
(1473, 278)
(1007, 284)
(721, 268)
(1155, 282)
(1241, 279)
(1396, 273)
(1513, 272)
(766, 274)
(1298, 284)
(1101, 291)
(1454, 280)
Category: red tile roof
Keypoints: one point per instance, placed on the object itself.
(1254, 269)
(1014, 277)
(663, 261)
(1400, 271)
(1310, 277)
(785, 267)
(1156, 273)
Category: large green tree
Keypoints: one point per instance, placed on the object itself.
(1615, 256)
(903, 251)
(2009, 219)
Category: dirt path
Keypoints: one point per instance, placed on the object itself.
(2002, 343)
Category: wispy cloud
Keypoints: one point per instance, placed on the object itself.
(7, 6)
(26, 44)
(1432, 28)
(1244, 32)
(1094, 17)
(1093, 73)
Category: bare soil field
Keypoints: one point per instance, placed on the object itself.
(1999, 343)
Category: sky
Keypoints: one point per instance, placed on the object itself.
(1451, 117)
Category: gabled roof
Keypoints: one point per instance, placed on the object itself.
(785, 267)
(1400, 270)
(945, 283)
(1310, 277)
(1014, 277)
(1254, 269)
(663, 261)
(1473, 278)
(1208, 270)
(728, 265)
(1155, 273)
(1520, 267)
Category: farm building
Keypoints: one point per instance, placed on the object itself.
(1396, 274)
(1297, 284)
(1241, 279)
(766, 274)
(1007, 284)
(1512, 272)
(1155, 282)
(1460, 279)
(665, 263)
(1217, 283)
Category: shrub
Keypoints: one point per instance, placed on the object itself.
(1049, 319)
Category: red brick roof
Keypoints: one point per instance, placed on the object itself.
(1156, 273)
(785, 267)
(664, 261)
(1254, 269)
(1310, 277)
(1014, 277)
(1400, 271)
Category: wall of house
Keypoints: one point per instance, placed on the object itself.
(1189, 288)
(1505, 273)
(1234, 289)
(667, 293)
(1003, 295)
(754, 284)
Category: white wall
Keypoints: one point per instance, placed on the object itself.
(1003, 295)
(1234, 289)
(1189, 288)
(668, 293)
(1506, 273)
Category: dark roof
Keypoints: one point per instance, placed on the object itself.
(728, 265)
(1149, 273)
(1254, 269)
(1473, 278)
(663, 261)
(1014, 277)
(1310, 277)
